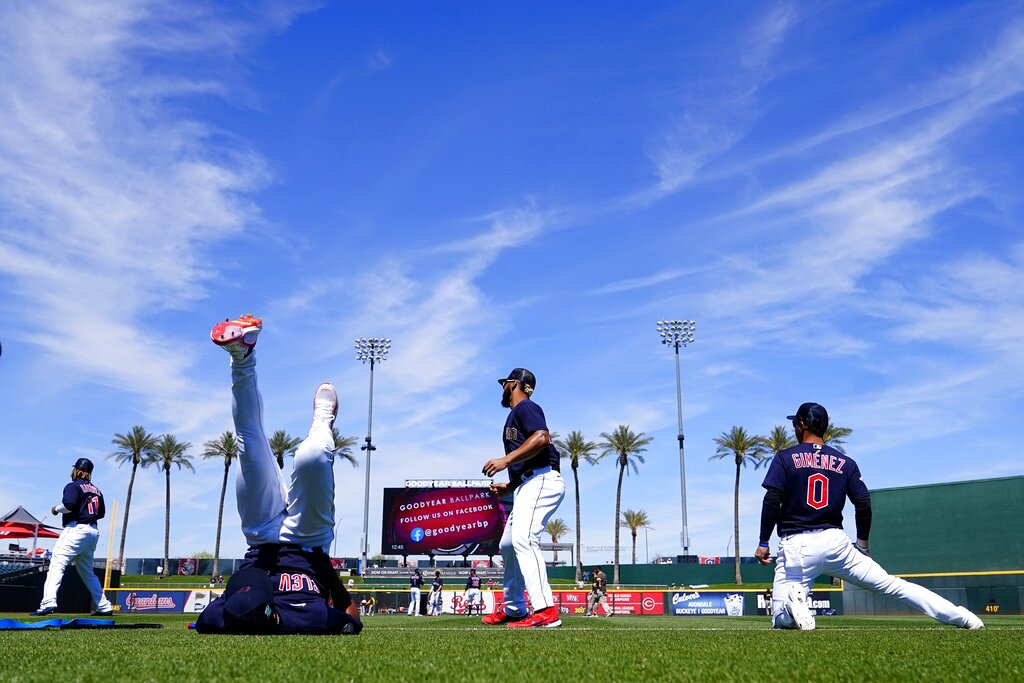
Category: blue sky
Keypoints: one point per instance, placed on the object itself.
(832, 193)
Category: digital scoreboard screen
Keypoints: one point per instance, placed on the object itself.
(442, 521)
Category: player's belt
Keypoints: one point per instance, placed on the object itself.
(535, 471)
(73, 524)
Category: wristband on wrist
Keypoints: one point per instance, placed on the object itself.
(763, 545)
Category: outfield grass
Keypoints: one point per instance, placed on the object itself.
(449, 649)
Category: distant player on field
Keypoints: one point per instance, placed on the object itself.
(807, 487)
(473, 598)
(533, 471)
(434, 599)
(415, 585)
(81, 507)
(598, 594)
(286, 583)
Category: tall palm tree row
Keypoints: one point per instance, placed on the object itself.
(226, 447)
(742, 448)
(556, 528)
(634, 520)
(575, 448)
(167, 453)
(134, 447)
(343, 447)
(627, 447)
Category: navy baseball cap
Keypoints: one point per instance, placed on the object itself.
(84, 465)
(247, 600)
(813, 415)
(520, 375)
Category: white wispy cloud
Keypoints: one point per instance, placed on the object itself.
(639, 282)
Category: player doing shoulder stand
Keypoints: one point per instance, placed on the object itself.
(806, 490)
(533, 466)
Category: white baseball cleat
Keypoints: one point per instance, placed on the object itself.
(796, 605)
(325, 403)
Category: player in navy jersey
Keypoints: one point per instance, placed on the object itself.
(434, 601)
(415, 585)
(81, 508)
(286, 583)
(472, 596)
(533, 472)
(806, 489)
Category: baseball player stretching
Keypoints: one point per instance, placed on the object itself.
(434, 599)
(807, 487)
(81, 506)
(473, 598)
(286, 583)
(415, 584)
(533, 472)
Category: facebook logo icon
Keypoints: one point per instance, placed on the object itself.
(417, 535)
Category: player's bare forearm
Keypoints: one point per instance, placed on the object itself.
(499, 488)
(533, 444)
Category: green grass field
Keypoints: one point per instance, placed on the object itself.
(451, 648)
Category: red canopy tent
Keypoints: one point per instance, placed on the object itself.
(20, 523)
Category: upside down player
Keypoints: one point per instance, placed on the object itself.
(533, 472)
(807, 487)
(286, 583)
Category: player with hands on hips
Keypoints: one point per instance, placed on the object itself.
(533, 465)
(434, 598)
(81, 508)
(286, 583)
(472, 595)
(415, 585)
(806, 490)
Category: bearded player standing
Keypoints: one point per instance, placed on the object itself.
(533, 472)
(807, 487)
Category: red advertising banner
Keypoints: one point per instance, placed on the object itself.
(620, 602)
(710, 560)
(187, 566)
(446, 521)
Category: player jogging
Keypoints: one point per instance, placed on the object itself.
(598, 594)
(806, 489)
(434, 599)
(415, 584)
(533, 472)
(81, 507)
(472, 597)
(286, 583)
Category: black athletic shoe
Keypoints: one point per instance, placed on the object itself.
(108, 613)
(43, 611)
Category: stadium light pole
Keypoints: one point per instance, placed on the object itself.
(370, 350)
(679, 333)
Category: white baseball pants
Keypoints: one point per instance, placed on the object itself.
(414, 602)
(803, 557)
(304, 514)
(536, 500)
(76, 544)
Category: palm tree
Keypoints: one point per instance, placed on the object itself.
(226, 447)
(627, 448)
(836, 437)
(743, 448)
(135, 446)
(343, 446)
(779, 439)
(635, 520)
(167, 452)
(556, 528)
(575, 448)
(281, 445)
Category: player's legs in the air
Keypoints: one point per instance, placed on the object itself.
(515, 602)
(535, 503)
(310, 497)
(845, 561)
(258, 487)
(83, 563)
(798, 563)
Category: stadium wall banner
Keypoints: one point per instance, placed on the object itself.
(449, 573)
(819, 602)
(197, 601)
(620, 602)
(151, 601)
(698, 604)
(442, 521)
(454, 602)
(188, 566)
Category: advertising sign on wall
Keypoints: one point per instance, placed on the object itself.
(697, 604)
(443, 521)
(819, 602)
(151, 601)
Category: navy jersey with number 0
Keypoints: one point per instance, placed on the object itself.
(523, 420)
(815, 481)
(85, 502)
(415, 581)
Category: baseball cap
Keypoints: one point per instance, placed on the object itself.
(813, 415)
(84, 465)
(520, 375)
(247, 601)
